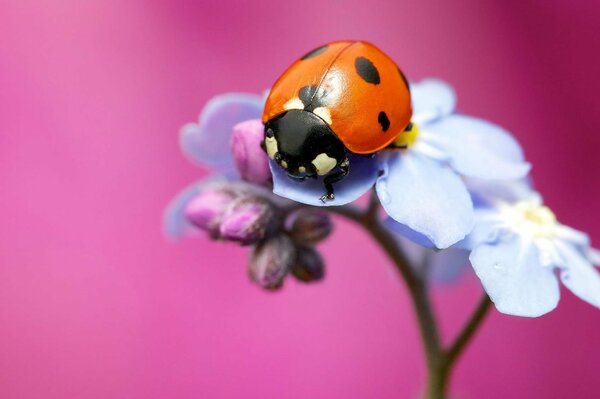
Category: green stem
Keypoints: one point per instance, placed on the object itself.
(439, 360)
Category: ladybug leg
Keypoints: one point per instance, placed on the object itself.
(334, 178)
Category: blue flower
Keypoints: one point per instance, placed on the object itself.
(421, 187)
(517, 245)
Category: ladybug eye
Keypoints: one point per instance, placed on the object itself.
(270, 133)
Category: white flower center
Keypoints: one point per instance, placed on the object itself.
(530, 219)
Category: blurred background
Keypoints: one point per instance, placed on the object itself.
(96, 303)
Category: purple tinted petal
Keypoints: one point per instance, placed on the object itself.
(207, 142)
(477, 148)
(425, 196)
(175, 222)
(362, 176)
(514, 279)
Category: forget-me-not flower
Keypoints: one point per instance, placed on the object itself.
(518, 247)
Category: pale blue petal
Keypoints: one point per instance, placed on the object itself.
(408, 233)
(207, 142)
(514, 279)
(447, 265)
(579, 275)
(477, 148)
(425, 196)
(363, 172)
(175, 224)
(431, 99)
(579, 239)
(487, 229)
(593, 256)
(441, 266)
(486, 193)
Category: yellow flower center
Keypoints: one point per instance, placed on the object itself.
(531, 219)
(407, 137)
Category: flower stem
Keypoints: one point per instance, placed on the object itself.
(438, 359)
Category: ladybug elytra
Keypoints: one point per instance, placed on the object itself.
(343, 97)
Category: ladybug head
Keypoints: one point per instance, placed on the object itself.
(303, 144)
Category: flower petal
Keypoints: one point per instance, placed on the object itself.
(594, 256)
(207, 142)
(362, 176)
(443, 266)
(477, 148)
(491, 193)
(175, 223)
(514, 279)
(425, 196)
(579, 275)
(487, 229)
(408, 233)
(431, 99)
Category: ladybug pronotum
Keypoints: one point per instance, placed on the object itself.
(343, 97)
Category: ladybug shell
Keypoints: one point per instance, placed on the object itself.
(352, 85)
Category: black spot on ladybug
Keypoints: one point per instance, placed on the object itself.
(314, 52)
(403, 78)
(383, 121)
(367, 70)
(313, 97)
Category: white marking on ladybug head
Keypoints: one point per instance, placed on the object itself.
(294, 103)
(323, 113)
(271, 145)
(302, 169)
(324, 164)
(284, 164)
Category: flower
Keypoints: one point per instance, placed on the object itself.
(420, 186)
(518, 244)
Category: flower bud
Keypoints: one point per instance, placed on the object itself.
(271, 261)
(251, 161)
(309, 265)
(207, 208)
(247, 220)
(310, 226)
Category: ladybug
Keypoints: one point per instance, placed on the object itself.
(340, 98)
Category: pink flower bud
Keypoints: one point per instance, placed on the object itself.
(271, 261)
(251, 161)
(247, 220)
(309, 265)
(309, 226)
(207, 208)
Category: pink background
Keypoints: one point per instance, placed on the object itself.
(95, 303)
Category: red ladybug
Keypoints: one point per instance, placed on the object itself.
(343, 97)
